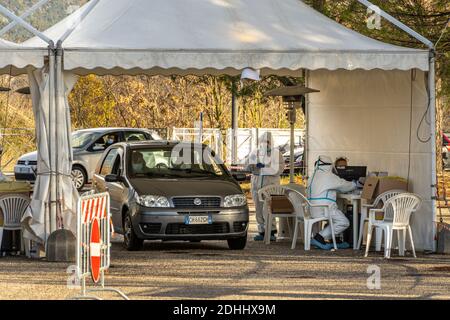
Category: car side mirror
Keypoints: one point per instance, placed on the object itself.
(116, 178)
(98, 148)
(239, 176)
(113, 178)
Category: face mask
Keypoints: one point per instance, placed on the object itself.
(110, 141)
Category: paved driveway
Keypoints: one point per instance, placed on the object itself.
(208, 270)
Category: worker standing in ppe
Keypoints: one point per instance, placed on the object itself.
(322, 190)
(266, 165)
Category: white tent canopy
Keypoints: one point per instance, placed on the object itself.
(361, 80)
(16, 59)
(217, 37)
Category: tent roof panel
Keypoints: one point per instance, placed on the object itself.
(221, 34)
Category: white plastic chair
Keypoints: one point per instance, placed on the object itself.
(381, 199)
(13, 208)
(264, 195)
(397, 213)
(301, 213)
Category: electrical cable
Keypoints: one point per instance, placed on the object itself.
(425, 114)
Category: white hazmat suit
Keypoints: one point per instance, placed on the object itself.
(266, 165)
(322, 190)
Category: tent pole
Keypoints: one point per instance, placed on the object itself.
(24, 24)
(432, 87)
(26, 14)
(88, 10)
(51, 141)
(292, 149)
(234, 123)
(58, 84)
(397, 23)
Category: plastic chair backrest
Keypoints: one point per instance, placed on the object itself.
(302, 206)
(402, 206)
(386, 196)
(272, 189)
(383, 198)
(13, 209)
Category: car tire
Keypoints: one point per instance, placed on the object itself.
(237, 243)
(130, 240)
(79, 177)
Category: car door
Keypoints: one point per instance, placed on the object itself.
(118, 192)
(99, 183)
(104, 169)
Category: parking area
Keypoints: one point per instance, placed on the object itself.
(209, 270)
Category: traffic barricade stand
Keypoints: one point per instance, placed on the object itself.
(94, 244)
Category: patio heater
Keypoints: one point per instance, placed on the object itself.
(293, 99)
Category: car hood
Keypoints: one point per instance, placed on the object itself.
(185, 187)
(31, 156)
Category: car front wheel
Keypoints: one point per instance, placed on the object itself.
(78, 177)
(237, 243)
(130, 240)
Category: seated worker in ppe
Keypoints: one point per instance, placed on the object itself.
(322, 190)
(266, 165)
(138, 163)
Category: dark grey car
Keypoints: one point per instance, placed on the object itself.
(171, 191)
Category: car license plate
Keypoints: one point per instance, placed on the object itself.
(197, 220)
(24, 170)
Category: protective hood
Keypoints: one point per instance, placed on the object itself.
(324, 163)
(266, 141)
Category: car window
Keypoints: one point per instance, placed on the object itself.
(108, 163)
(80, 139)
(136, 136)
(105, 141)
(116, 169)
(168, 162)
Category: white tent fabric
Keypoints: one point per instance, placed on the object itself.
(370, 117)
(217, 37)
(362, 111)
(16, 59)
(54, 201)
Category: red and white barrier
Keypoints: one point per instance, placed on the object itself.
(94, 242)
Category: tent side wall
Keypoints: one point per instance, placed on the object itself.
(371, 117)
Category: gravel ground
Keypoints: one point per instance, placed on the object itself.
(208, 270)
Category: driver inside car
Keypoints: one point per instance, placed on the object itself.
(138, 163)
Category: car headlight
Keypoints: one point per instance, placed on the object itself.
(235, 200)
(153, 201)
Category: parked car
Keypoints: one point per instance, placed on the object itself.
(157, 195)
(299, 167)
(88, 146)
(446, 150)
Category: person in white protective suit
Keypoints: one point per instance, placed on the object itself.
(266, 165)
(322, 189)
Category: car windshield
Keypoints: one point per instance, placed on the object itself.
(80, 139)
(174, 162)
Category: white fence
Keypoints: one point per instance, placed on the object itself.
(247, 140)
(211, 137)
